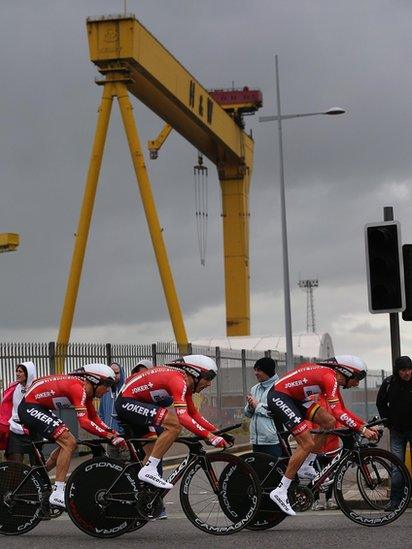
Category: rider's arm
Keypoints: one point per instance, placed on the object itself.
(197, 416)
(93, 416)
(82, 407)
(178, 390)
(337, 408)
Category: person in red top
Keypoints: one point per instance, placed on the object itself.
(291, 402)
(142, 403)
(77, 389)
(327, 453)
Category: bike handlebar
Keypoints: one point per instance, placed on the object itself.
(227, 429)
(344, 431)
(195, 439)
(184, 440)
(380, 421)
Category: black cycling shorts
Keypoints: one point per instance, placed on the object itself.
(41, 420)
(288, 412)
(143, 417)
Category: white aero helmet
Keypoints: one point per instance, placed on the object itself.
(352, 367)
(198, 366)
(97, 374)
(146, 363)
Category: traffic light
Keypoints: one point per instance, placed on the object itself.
(384, 267)
(407, 266)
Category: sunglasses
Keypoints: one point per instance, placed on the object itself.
(209, 375)
(107, 383)
(359, 375)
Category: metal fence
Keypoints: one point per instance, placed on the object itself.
(222, 403)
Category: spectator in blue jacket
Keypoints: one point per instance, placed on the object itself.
(263, 434)
(107, 411)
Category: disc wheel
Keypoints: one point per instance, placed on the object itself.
(101, 497)
(371, 476)
(220, 494)
(269, 471)
(20, 507)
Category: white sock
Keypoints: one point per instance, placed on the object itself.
(152, 463)
(309, 461)
(285, 483)
(59, 485)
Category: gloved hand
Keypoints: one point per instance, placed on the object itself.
(217, 441)
(118, 442)
(230, 439)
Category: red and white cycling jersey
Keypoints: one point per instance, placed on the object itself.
(311, 379)
(52, 392)
(157, 385)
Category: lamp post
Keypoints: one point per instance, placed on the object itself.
(286, 283)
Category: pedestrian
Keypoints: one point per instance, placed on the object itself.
(263, 433)
(14, 439)
(107, 412)
(394, 402)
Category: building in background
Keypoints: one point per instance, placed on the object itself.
(307, 345)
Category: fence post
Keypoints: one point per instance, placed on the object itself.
(218, 382)
(189, 349)
(382, 375)
(52, 357)
(366, 399)
(154, 354)
(268, 354)
(109, 357)
(244, 381)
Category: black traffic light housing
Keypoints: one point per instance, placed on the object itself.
(384, 267)
(407, 269)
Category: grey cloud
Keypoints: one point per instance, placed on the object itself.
(351, 54)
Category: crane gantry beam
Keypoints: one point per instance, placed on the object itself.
(132, 60)
(155, 77)
(162, 83)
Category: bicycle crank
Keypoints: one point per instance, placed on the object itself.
(301, 497)
(149, 505)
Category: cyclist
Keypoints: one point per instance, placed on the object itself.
(291, 403)
(77, 389)
(143, 401)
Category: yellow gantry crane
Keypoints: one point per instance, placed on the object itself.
(131, 60)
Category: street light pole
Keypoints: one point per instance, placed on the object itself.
(286, 281)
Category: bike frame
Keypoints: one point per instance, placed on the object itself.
(196, 454)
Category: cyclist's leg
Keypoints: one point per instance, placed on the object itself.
(284, 409)
(45, 423)
(142, 416)
(305, 446)
(68, 445)
(326, 421)
(170, 433)
(171, 429)
(52, 459)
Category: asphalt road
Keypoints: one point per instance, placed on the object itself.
(320, 530)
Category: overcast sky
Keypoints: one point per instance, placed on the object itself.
(340, 171)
